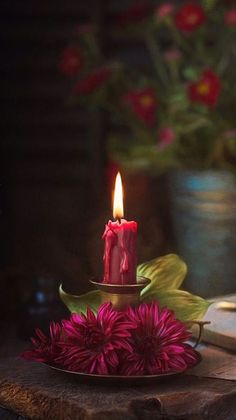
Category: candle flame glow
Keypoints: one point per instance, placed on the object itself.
(118, 209)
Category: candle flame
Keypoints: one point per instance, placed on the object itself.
(118, 209)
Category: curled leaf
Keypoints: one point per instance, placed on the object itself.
(77, 304)
(187, 307)
(166, 273)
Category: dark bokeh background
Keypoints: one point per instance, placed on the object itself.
(55, 192)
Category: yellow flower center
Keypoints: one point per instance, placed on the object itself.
(146, 101)
(192, 18)
(203, 88)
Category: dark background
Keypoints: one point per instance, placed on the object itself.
(55, 186)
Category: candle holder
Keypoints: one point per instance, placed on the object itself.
(95, 321)
(106, 338)
(121, 295)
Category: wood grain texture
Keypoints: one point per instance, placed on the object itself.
(34, 391)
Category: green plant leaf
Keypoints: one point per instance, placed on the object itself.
(77, 304)
(167, 272)
(190, 73)
(208, 4)
(187, 307)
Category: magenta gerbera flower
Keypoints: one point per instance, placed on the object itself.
(158, 342)
(45, 349)
(93, 341)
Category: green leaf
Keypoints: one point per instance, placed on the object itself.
(208, 4)
(165, 273)
(77, 304)
(190, 73)
(187, 307)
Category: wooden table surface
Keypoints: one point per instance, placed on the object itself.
(35, 391)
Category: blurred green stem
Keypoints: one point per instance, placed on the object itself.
(217, 155)
(93, 47)
(157, 59)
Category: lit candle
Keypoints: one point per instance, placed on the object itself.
(120, 259)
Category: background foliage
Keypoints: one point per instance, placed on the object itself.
(177, 109)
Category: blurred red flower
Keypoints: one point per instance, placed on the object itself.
(133, 14)
(230, 17)
(93, 81)
(173, 54)
(230, 134)
(143, 103)
(164, 10)
(71, 61)
(206, 90)
(189, 17)
(166, 136)
(158, 342)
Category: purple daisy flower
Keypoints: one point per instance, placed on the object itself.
(158, 342)
(45, 349)
(94, 341)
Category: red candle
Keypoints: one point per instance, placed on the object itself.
(120, 259)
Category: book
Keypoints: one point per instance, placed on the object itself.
(222, 328)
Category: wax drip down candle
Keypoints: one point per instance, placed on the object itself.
(120, 236)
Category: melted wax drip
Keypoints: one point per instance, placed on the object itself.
(120, 252)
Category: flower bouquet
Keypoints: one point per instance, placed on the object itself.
(174, 107)
(148, 339)
(140, 341)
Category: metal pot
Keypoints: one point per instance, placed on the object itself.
(203, 206)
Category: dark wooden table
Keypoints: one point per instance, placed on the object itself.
(35, 391)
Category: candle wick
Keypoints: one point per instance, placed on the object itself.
(119, 220)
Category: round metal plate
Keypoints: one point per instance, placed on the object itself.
(120, 379)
